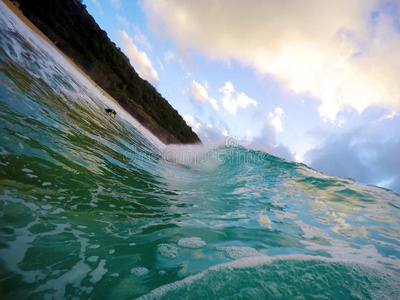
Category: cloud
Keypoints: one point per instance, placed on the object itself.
(122, 20)
(188, 119)
(199, 93)
(116, 4)
(214, 104)
(218, 134)
(368, 154)
(343, 53)
(339, 157)
(98, 5)
(276, 119)
(139, 60)
(192, 122)
(169, 56)
(213, 135)
(141, 39)
(267, 140)
(232, 100)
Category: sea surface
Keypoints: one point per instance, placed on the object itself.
(97, 208)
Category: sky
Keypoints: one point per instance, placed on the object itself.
(310, 81)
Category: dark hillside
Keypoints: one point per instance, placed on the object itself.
(77, 34)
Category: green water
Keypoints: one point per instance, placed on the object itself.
(92, 207)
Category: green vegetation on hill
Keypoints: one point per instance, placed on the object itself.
(78, 36)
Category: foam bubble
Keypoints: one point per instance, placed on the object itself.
(139, 271)
(236, 252)
(168, 251)
(311, 231)
(22, 136)
(3, 151)
(264, 221)
(192, 242)
(280, 215)
(57, 211)
(99, 272)
(93, 258)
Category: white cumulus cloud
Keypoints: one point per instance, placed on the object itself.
(196, 125)
(232, 100)
(139, 60)
(214, 104)
(276, 119)
(198, 92)
(188, 119)
(343, 53)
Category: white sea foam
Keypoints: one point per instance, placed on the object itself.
(98, 273)
(264, 221)
(280, 215)
(236, 252)
(168, 251)
(192, 242)
(139, 271)
(264, 260)
(74, 275)
(57, 211)
(344, 251)
(93, 258)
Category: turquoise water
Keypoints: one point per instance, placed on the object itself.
(92, 207)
